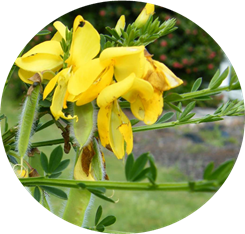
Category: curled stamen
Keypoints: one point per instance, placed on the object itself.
(113, 192)
(117, 200)
(19, 172)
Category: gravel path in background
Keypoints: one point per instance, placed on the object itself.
(192, 147)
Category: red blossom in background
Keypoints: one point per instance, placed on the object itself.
(212, 55)
(102, 13)
(164, 43)
(163, 57)
(210, 66)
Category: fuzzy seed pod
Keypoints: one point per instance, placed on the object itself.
(89, 166)
(27, 119)
(83, 129)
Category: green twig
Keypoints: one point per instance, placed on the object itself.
(133, 186)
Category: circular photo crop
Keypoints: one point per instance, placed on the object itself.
(122, 117)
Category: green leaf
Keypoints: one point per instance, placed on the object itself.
(55, 158)
(12, 159)
(178, 113)
(134, 121)
(45, 125)
(56, 192)
(45, 103)
(100, 195)
(211, 119)
(37, 194)
(196, 85)
(186, 118)
(142, 175)
(222, 172)
(174, 107)
(113, 32)
(62, 166)
(188, 109)
(165, 117)
(44, 162)
(98, 215)
(152, 175)
(102, 41)
(108, 221)
(214, 78)
(173, 97)
(215, 83)
(129, 166)
(55, 175)
(43, 32)
(45, 203)
(100, 228)
(139, 165)
(204, 98)
(82, 185)
(208, 170)
(96, 190)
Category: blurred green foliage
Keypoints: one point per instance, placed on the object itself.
(189, 51)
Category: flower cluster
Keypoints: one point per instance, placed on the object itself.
(79, 72)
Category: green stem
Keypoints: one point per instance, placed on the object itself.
(165, 125)
(47, 143)
(132, 186)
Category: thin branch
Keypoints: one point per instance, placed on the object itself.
(132, 186)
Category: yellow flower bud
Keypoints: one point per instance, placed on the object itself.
(120, 25)
(144, 15)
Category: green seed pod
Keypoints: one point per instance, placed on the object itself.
(83, 129)
(27, 119)
(89, 166)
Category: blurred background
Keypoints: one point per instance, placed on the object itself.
(182, 152)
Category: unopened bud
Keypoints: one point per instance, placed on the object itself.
(120, 25)
(144, 15)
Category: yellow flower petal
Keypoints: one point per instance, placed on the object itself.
(104, 117)
(84, 77)
(95, 89)
(159, 75)
(25, 75)
(85, 43)
(61, 29)
(40, 62)
(126, 130)
(114, 91)
(50, 86)
(126, 60)
(153, 108)
(171, 79)
(138, 109)
(140, 88)
(47, 47)
(148, 110)
(59, 96)
(115, 136)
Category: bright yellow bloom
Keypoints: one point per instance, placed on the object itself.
(120, 25)
(113, 125)
(44, 58)
(97, 74)
(84, 47)
(144, 15)
(139, 62)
